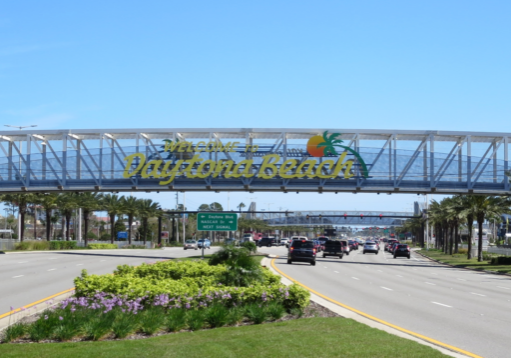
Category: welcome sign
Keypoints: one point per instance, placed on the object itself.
(325, 158)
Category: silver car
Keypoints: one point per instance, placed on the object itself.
(190, 244)
(371, 246)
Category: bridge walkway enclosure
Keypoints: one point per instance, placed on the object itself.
(245, 159)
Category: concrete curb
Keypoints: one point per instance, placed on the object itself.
(462, 268)
(350, 314)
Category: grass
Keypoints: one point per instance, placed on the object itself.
(207, 257)
(460, 260)
(311, 337)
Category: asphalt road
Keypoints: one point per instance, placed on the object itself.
(30, 277)
(463, 308)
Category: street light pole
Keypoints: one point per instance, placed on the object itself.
(20, 151)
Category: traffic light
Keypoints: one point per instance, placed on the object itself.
(307, 217)
(381, 216)
(320, 216)
(361, 216)
(345, 216)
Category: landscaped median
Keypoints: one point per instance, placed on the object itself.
(197, 308)
(491, 262)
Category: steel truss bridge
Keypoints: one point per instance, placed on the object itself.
(337, 218)
(398, 161)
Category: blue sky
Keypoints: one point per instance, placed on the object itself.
(434, 65)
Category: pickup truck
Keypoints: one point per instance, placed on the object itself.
(333, 248)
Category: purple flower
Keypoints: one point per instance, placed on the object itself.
(12, 308)
(22, 308)
(187, 305)
(45, 317)
(60, 318)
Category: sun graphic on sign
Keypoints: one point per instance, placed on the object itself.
(322, 145)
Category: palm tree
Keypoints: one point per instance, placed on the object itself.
(88, 202)
(484, 206)
(146, 209)
(241, 206)
(20, 200)
(67, 203)
(114, 206)
(49, 202)
(130, 208)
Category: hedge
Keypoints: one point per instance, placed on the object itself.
(102, 246)
(501, 260)
(45, 245)
(62, 245)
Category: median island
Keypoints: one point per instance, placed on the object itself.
(227, 306)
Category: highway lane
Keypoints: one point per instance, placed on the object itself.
(29, 277)
(463, 308)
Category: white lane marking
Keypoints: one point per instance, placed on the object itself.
(355, 278)
(433, 273)
(51, 269)
(441, 304)
(399, 276)
(79, 264)
(52, 258)
(325, 267)
(22, 262)
(477, 294)
(460, 279)
(336, 271)
(429, 283)
(101, 260)
(414, 269)
(379, 270)
(505, 288)
(385, 288)
(17, 276)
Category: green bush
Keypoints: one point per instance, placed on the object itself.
(101, 246)
(463, 251)
(501, 260)
(242, 269)
(62, 245)
(250, 246)
(133, 247)
(22, 246)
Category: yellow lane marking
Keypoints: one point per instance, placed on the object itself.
(36, 303)
(431, 340)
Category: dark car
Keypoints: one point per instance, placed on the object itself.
(392, 247)
(302, 251)
(353, 244)
(322, 240)
(317, 245)
(388, 243)
(333, 248)
(267, 241)
(401, 250)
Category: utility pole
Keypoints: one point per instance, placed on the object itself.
(184, 226)
(177, 219)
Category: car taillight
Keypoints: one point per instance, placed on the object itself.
(291, 248)
(314, 251)
(408, 248)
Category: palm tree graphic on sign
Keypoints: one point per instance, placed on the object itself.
(319, 146)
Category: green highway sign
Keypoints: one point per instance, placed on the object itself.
(217, 222)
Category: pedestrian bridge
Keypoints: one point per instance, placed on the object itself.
(337, 218)
(245, 159)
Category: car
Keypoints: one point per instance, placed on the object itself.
(322, 240)
(392, 247)
(333, 248)
(284, 241)
(190, 244)
(370, 246)
(266, 241)
(301, 251)
(232, 241)
(345, 246)
(388, 243)
(353, 244)
(317, 245)
(204, 242)
(401, 250)
(296, 238)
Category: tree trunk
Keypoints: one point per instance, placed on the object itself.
(130, 222)
(48, 225)
(22, 223)
(86, 226)
(480, 243)
(451, 240)
(68, 223)
(456, 238)
(146, 228)
(470, 223)
(112, 228)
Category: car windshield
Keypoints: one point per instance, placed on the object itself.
(402, 246)
(370, 243)
(302, 245)
(190, 241)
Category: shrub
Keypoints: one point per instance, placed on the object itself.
(242, 269)
(463, 251)
(39, 245)
(250, 246)
(62, 245)
(151, 320)
(133, 247)
(501, 260)
(256, 313)
(235, 316)
(22, 246)
(102, 246)
(196, 319)
(175, 320)
(124, 325)
(14, 331)
(275, 310)
(217, 315)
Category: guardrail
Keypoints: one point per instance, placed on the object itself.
(7, 244)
